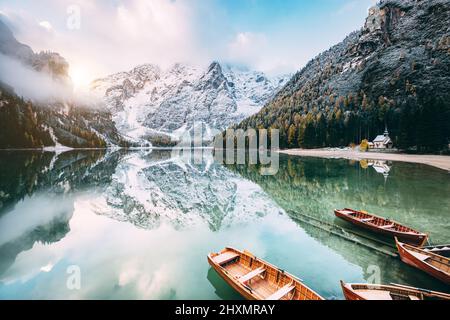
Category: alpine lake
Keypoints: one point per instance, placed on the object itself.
(140, 224)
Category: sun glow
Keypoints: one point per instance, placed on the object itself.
(80, 77)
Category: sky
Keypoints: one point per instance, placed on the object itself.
(103, 37)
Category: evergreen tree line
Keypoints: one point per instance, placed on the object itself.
(416, 123)
(23, 126)
(19, 127)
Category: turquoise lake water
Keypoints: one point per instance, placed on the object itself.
(139, 225)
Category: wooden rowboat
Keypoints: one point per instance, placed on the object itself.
(382, 226)
(390, 292)
(431, 263)
(256, 279)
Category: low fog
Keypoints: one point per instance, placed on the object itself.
(40, 87)
(29, 83)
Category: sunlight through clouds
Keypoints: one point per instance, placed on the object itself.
(117, 36)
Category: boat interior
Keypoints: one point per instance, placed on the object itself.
(440, 262)
(394, 292)
(262, 280)
(385, 293)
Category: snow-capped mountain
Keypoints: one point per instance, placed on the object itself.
(149, 100)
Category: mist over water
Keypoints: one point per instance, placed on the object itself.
(139, 225)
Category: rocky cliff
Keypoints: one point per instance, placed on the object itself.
(395, 71)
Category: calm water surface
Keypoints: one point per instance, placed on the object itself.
(138, 225)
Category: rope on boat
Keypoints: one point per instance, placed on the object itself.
(344, 236)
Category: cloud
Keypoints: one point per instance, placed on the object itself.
(247, 46)
(112, 37)
(262, 52)
(117, 35)
(354, 6)
(29, 83)
(46, 25)
(42, 87)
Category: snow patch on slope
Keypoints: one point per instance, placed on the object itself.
(58, 148)
(148, 100)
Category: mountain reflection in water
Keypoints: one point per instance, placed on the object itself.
(140, 224)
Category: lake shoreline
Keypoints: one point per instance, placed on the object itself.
(63, 150)
(437, 161)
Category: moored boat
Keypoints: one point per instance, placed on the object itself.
(256, 279)
(389, 292)
(435, 265)
(382, 226)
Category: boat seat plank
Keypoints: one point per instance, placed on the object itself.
(420, 256)
(346, 212)
(225, 257)
(281, 293)
(253, 274)
(389, 226)
(374, 294)
(367, 220)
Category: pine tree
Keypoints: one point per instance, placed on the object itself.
(292, 141)
(431, 130)
(321, 131)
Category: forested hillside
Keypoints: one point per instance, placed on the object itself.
(394, 72)
(19, 124)
(27, 125)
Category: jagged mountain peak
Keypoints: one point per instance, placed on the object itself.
(149, 100)
(213, 78)
(215, 67)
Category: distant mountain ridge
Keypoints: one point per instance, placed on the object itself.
(394, 72)
(150, 101)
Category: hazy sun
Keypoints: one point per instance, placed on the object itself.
(80, 77)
